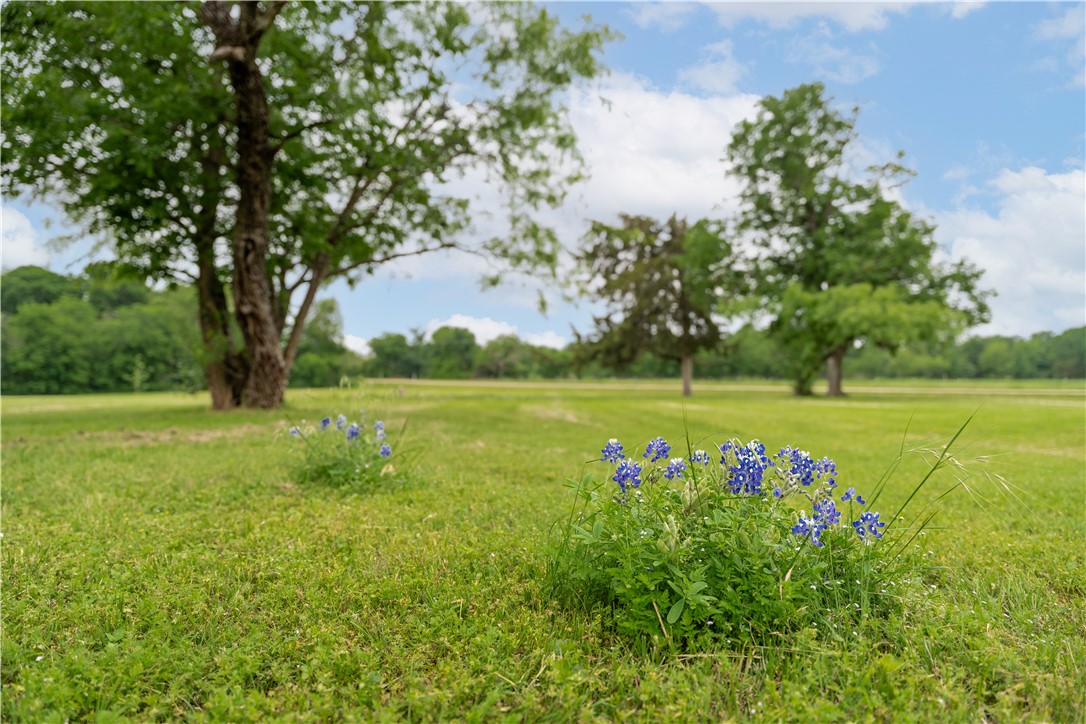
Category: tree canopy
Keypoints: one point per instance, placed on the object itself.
(661, 283)
(260, 150)
(837, 260)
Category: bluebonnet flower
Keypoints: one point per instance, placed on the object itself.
(777, 492)
(868, 523)
(798, 465)
(325, 422)
(379, 430)
(828, 469)
(826, 513)
(724, 448)
(295, 432)
(386, 451)
(675, 468)
(658, 448)
(627, 472)
(341, 422)
(352, 431)
(851, 494)
(612, 451)
(808, 528)
(700, 456)
(750, 465)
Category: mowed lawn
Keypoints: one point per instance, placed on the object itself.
(159, 561)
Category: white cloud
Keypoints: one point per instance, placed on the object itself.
(655, 153)
(20, 244)
(549, 338)
(719, 71)
(664, 16)
(829, 60)
(852, 16)
(356, 344)
(1033, 249)
(487, 329)
(1071, 25)
(960, 9)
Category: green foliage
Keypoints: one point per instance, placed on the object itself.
(322, 359)
(35, 285)
(660, 283)
(451, 353)
(692, 563)
(822, 236)
(160, 563)
(344, 454)
(102, 335)
(371, 108)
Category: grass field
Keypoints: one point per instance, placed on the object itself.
(160, 563)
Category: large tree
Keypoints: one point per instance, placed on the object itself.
(837, 259)
(660, 283)
(263, 149)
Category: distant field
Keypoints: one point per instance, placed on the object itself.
(159, 562)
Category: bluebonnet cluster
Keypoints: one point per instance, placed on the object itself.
(675, 468)
(352, 432)
(744, 470)
(627, 473)
(658, 448)
(851, 494)
(612, 451)
(803, 470)
(749, 465)
(869, 521)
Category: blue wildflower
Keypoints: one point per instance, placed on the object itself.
(628, 472)
(868, 524)
(700, 456)
(810, 529)
(353, 431)
(777, 492)
(745, 476)
(851, 494)
(379, 426)
(826, 513)
(658, 448)
(386, 451)
(612, 451)
(325, 422)
(675, 468)
(341, 422)
(724, 449)
(826, 468)
(295, 432)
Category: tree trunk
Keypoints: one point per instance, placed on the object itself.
(224, 368)
(834, 365)
(237, 42)
(688, 373)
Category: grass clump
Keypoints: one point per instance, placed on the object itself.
(737, 546)
(343, 454)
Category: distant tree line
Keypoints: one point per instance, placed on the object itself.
(96, 332)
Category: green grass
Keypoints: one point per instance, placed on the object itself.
(159, 563)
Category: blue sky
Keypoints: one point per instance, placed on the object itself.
(987, 99)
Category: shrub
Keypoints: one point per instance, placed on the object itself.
(343, 454)
(733, 545)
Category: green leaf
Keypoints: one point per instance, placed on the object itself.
(676, 611)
